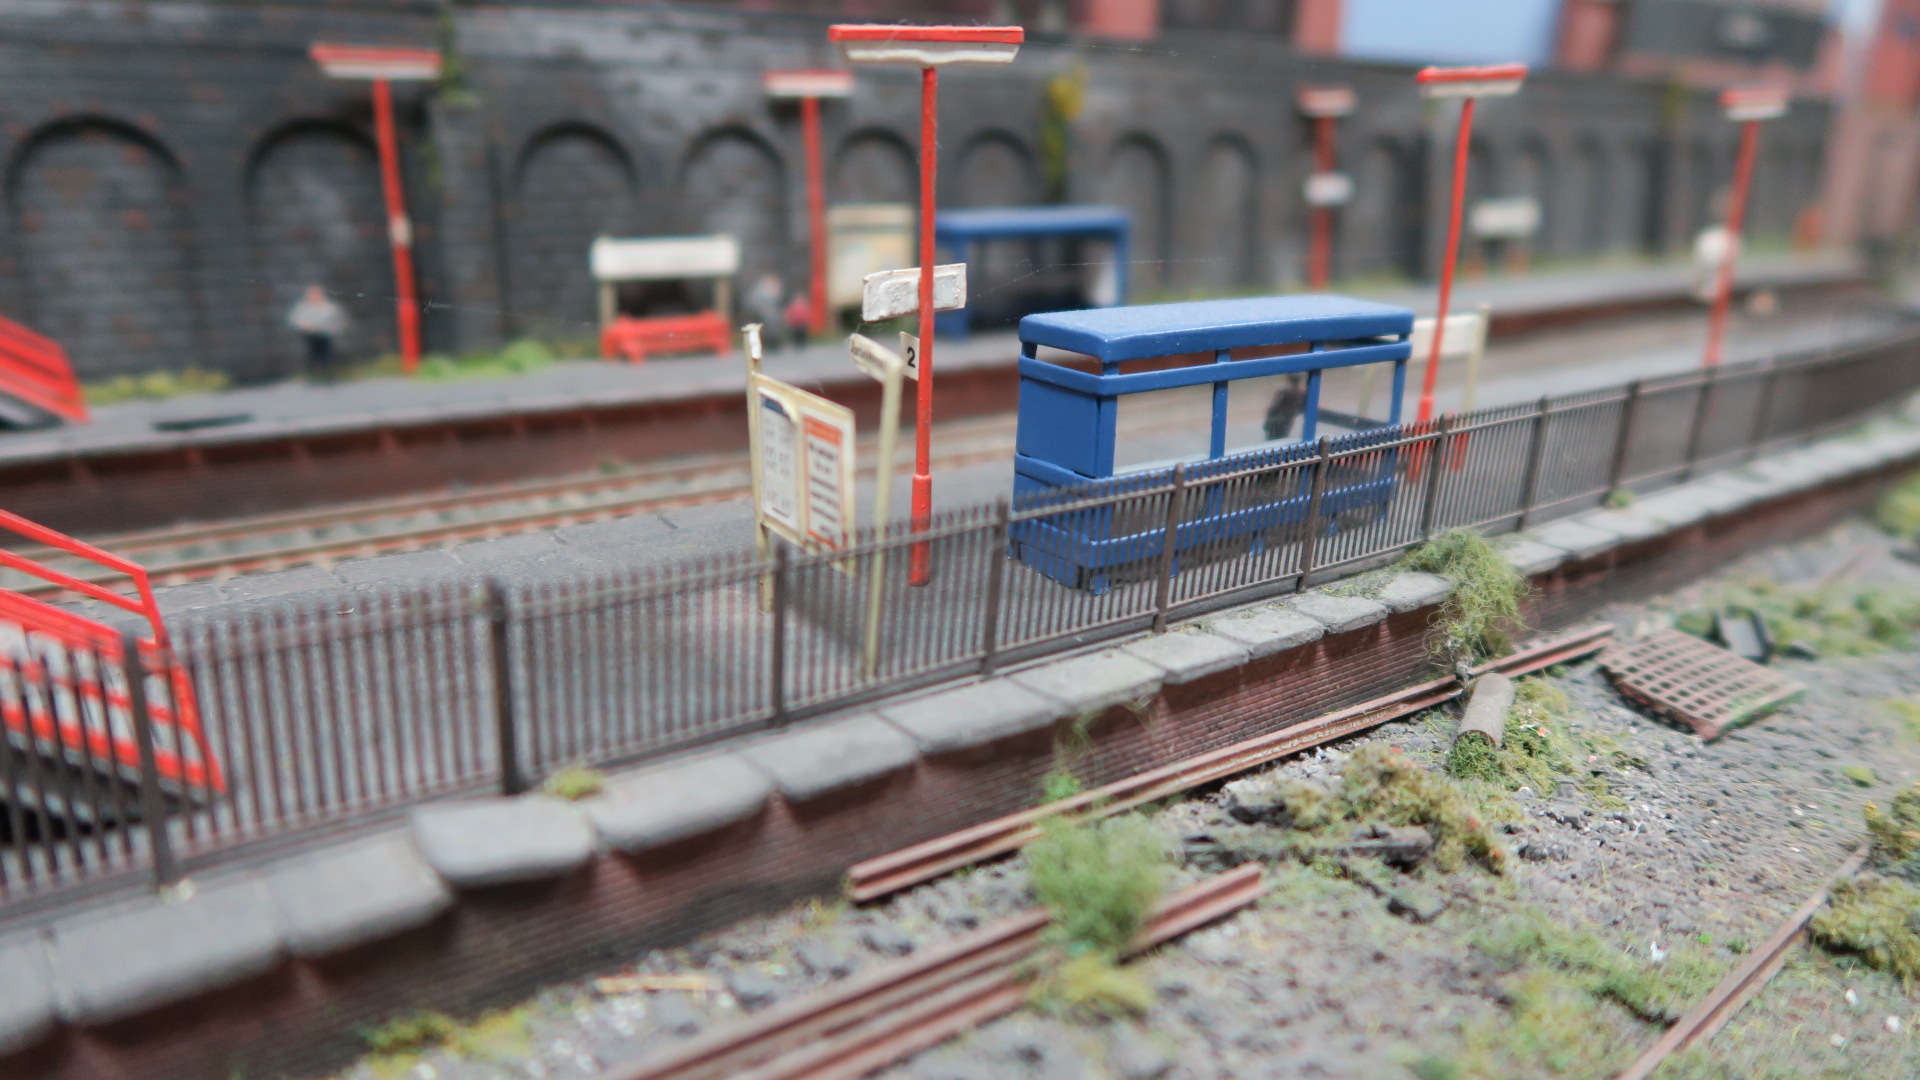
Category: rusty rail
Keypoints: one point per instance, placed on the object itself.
(905, 1008)
(1720, 1005)
(886, 874)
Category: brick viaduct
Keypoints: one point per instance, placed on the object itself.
(177, 170)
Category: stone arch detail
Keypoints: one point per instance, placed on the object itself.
(1139, 177)
(873, 165)
(570, 183)
(994, 168)
(1385, 226)
(1223, 231)
(733, 183)
(316, 216)
(105, 235)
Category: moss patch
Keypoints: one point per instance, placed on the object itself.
(1899, 511)
(1873, 918)
(1482, 612)
(575, 782)
(1538, 748)
(154, 386)
(1834, 620)
(1895, 833)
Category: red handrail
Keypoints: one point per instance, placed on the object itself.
(34, 368)
(74, 630)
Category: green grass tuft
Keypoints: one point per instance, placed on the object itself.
(1482, 613)
(575, 782)
(1657, 993)
(410, 1034)
(1088, 987)
(1896, 832)
(1100, 880)
(1379, 783)
(1619, 499)
(1899, 511)
(1832, 620)
(1860, 775)
(1873, 918)
(154, 386)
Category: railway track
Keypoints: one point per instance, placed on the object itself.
(219, 550)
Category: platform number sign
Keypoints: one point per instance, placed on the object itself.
(805, 465)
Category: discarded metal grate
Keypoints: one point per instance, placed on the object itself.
(1695, 682)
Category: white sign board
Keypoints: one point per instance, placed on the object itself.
(823, 83)
(863, 239)
(1466, 336)
(1318, 101)
(928, 53)
(664, 257)
(1510, 218)
(875, 359)
(1329, 189)
(892, 293)
(806, 464)
(910, 353)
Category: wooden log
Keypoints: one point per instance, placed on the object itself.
(1486, 710)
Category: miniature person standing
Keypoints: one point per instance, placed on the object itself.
(799, 316)
(1287, 405)
(318, 320)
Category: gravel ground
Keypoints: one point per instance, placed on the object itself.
(1693, 852)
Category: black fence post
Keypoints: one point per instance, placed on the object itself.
(1438, 446)
(1163, 594)
(1312, 539)
(1707, 382)
(997, 557)
(1623, 441)
(1536, 460)
(1757, 434)
(513, 778)
(782, 563)
(153, 801)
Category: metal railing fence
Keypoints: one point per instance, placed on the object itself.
(325, 711)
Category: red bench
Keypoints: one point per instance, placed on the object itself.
(34, 370)
(635, 339)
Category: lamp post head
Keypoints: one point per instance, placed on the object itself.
(1754, 102)
(814, 83)
(1499, 80)
(394, 64)
(1317, 102)
(926, 46)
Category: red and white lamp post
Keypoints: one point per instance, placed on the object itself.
(808, 87)
(1747, 106)
(928, 48)
(1469, 84)
(1326, 188)
(384, 66)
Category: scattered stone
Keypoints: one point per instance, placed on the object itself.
(822, 959)
(1133, 1056)
(673, 1015)
(886, 939)
(1417, 905)
(752, 988)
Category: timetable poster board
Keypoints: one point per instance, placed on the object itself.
(806, 464)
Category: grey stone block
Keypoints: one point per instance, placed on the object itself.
(27, 1009)
(654, 807)
(353, 894)
(1095, 681)
(126, 959)
(1412, 591)
(974, 715)
(1338, 614)
(502, 841)
(1578, 539)
(821, 758)
(1735, 493)
(1531, 558)
(1268, 630)
(1627, 525)
(178, 598)
(1676, 508)
(1186, 655)
(283, 583)
(406, 566)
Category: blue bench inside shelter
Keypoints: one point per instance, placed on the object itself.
(1068, 417)
(960, 232)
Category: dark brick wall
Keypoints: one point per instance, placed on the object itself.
(176, 170)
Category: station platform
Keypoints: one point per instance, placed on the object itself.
(286, 447)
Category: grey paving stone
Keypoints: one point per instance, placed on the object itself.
(178, 598)
(27, 1009)
(652, 807)
(501, 841)
(1189, 654)
(1735, 493)
(1412, 591)
(973, 715)
(1580, 540)
(355, 893)
(282, 583)
(1627, 525)
(601, 536)
(1531, 558)
(401, 568)
(1268, 630)
(1338, 614)
(824, 757)
(126, 959)
(1674, 508)
(523, 546)
(1094, 681)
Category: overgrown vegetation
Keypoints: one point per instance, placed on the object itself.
(1538, 749)
(154, 386)
(1482, 613)
(1860, 775)
(1899, 510)
(500, 1035)
(1873, 918)
(1906, 712)
(575, 782)
(1895, 833)
(1829, 620)
(519, 358)
(1100, 880)
(1066, 96)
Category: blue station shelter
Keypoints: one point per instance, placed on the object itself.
(960, 232)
